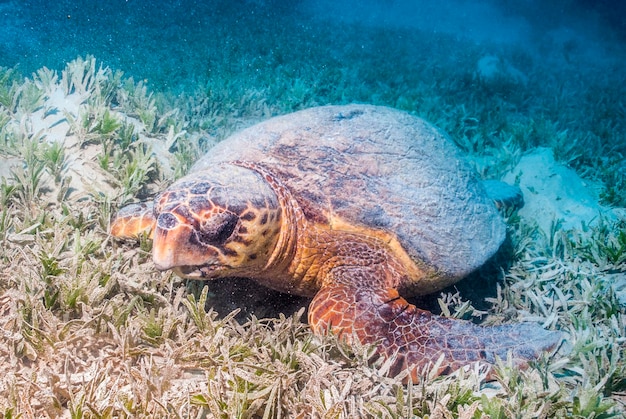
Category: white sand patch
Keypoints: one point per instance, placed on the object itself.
(7, 164)
(555, 193)
(51, 119)
(491, 70)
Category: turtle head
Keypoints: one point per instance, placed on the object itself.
(223, 221)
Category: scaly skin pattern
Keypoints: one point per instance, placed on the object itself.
(133, 220)
(239, 219)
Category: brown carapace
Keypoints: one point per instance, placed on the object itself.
(353, 206)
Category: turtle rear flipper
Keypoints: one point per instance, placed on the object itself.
(133, 220)
(415, 338)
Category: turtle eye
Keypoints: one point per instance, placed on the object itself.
(218, 228)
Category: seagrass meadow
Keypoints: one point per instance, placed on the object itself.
(91, 329)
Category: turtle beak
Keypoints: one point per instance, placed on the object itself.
(162, 254)
(174, 245)
(166, 252)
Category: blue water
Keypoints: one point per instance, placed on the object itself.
(179, 42)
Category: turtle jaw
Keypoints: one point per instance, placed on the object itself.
(175, 249)
(166, 258)
(207, 271)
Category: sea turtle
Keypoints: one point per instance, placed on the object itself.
(354, 206)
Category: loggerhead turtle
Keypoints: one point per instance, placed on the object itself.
(351, 205)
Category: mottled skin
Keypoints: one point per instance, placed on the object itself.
(253, 218)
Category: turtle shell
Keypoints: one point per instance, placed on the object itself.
(378, 168)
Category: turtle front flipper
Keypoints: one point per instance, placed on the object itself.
(416, 338)
(133, 220)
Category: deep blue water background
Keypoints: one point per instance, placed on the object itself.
(177, 43)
